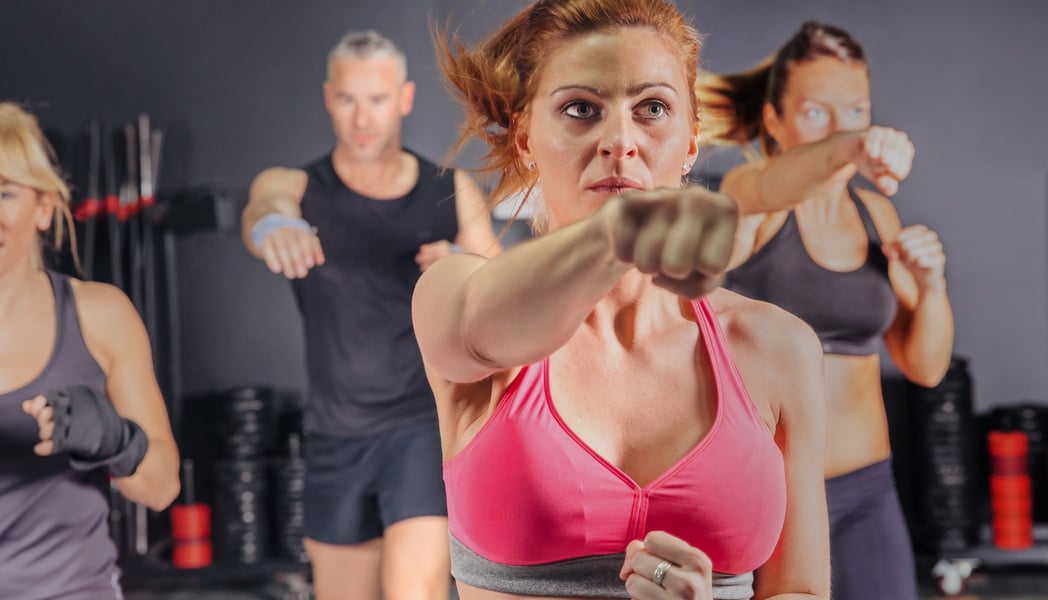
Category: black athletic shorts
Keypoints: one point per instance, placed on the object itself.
(356, 487)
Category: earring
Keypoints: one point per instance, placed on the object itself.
(686, 167)
(531, 166)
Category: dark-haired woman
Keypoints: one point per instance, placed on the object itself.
(838, 257)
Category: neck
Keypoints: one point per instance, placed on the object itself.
(13, 284)
(634, 308)
(826, 205)
(385, 168)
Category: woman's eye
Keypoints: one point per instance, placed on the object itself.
(580, 110)
(814, 113)
(653, 109)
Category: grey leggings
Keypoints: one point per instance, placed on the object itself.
(871, 555)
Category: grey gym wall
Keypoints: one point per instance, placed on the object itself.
(236, 86)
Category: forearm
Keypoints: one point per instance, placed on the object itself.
(155, 482)
(261, 205)
(927, 341)
(525, 303)
(788, 179)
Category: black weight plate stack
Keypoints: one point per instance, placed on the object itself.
(245, 423)
(241, 527)
(288, 480)
(241, 499)
(944, 449)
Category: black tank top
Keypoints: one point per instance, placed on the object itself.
(365, 369)
(54, 528)
(849, 311)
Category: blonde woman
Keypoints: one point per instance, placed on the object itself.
(79, 401)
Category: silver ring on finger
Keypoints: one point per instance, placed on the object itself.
(660, 572)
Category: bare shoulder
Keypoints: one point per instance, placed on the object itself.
(776, 352)
(882, 211)
(281, 174)
(281, 178)
(102, 302)
(761, 327)
(107, 318)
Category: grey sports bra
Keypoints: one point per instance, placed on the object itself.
(849, 310)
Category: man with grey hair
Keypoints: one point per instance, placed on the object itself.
(352, 231)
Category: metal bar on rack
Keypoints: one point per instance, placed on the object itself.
(111, 206)
(88, 209)
(149, 143)
(128, 209)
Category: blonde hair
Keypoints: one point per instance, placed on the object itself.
(27, 159)
(496, 79)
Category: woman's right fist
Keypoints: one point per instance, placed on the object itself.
(683, 237)
(884, 157)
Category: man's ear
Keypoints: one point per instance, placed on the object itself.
(407, 98)
(328, 96)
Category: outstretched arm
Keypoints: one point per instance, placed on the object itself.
(880, 154)
(271, 224)
(474, 317)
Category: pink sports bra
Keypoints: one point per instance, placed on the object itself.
(527, 491)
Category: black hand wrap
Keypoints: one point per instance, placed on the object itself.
(90, 430)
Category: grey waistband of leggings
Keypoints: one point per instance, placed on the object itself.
(586, 577)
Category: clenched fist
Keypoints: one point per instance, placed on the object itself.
(663, 566)
(683, 238)
(920, 251)
(292, 251)
(884, 156)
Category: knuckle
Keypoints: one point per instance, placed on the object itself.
(691, 589)
(653, 537)
(646, 267)
(700, 562)
(677, 271)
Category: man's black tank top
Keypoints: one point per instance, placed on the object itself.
(365, 369)
(849, 311)
(54, 521)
